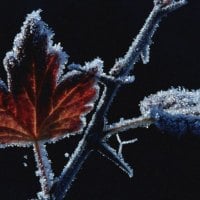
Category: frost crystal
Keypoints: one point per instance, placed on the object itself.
(145, 55)
(66, 155)
(25, 164)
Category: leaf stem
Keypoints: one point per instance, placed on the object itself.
(44, 170)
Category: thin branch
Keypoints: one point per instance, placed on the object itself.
(82, 151)
(170, 5)
(70, 170)
(140, 45)
(124, 125)
(122, 143)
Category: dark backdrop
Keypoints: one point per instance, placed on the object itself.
(166, 168)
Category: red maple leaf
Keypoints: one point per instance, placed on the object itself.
(40, 103)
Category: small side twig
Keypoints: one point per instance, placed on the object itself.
(124, 125)
(122, 143)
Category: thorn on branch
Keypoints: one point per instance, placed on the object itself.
(117, 159)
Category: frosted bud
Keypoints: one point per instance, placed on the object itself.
(175, 110)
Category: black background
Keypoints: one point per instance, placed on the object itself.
(166, 168)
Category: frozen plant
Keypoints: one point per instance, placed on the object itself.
(46, 100)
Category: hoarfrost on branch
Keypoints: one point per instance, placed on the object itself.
(174, 110)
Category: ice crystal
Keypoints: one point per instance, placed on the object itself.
(66, 155)
(25, 164)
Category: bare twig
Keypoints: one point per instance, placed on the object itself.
(93, 138)
(122, 143)
(124, 125)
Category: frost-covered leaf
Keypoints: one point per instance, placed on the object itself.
(175, 110)
(40, 103)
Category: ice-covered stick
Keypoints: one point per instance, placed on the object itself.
(124, 125)
(141, 44)
(93, 137)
